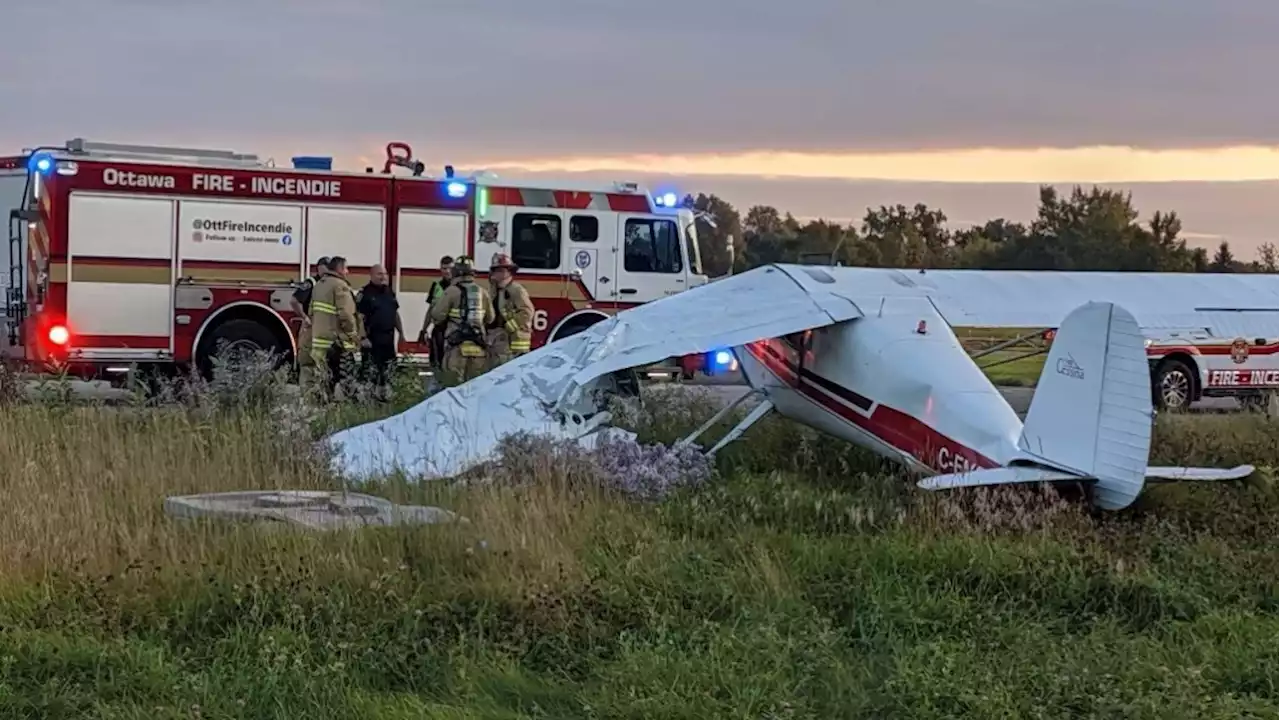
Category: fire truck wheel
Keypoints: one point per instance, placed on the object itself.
(1173, 386)
(236, 336)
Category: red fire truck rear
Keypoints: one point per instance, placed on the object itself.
(125, 255)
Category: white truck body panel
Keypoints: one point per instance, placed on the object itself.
(423, 237)
(106, 297)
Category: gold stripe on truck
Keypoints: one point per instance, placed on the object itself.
(124, 274)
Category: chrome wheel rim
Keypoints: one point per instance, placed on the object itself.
(1174, 390)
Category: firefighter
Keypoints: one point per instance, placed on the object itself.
(430, 332)
(300, 303)
(512, 328)
(464, 310)
(334, 327)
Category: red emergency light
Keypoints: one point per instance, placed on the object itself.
(59, 335)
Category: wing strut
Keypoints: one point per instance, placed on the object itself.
(762, 408)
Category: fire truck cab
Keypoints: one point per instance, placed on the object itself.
(123, 255)
(1193, 364)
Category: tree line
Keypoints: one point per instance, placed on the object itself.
(1094, 229)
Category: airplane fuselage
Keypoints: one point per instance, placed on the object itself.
(905, 390)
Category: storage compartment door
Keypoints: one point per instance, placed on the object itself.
(422, 239)
(119, 276)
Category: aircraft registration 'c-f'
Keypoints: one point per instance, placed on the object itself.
(867, 355)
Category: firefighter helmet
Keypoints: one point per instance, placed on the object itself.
(502, 260)
(463, 265)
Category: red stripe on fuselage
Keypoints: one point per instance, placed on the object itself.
(894, 427)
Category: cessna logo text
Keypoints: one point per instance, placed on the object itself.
(124, 178)
(1068, 367)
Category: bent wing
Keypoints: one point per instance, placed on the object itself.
(766, 302)
(550, 391)
(1225, 304)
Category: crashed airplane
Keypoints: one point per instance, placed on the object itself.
(869, 356)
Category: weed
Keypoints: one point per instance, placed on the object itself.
(800, 579)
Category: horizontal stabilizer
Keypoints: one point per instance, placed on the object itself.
(1183, 474)
(1026, 474)
(995, 476)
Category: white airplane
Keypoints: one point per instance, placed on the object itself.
(869, 356)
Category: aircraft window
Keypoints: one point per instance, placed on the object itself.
(652, 245)
(535, 241)
(584, 228)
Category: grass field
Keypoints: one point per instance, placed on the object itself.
(804, 580)
(1012, 367)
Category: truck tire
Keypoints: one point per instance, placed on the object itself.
(237, 335)
(1173, 386)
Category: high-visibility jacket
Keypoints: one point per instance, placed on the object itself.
(515, 313)
(433, 294)
(333, 314)
(437, 289)
(467, 310)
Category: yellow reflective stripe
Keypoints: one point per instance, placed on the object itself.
(321, 343)
(470, 349)
(520, 346)
(512, 326)
(349, 346)
(324, 308)
(455, 314)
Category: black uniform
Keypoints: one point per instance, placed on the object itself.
(303, 293)
(378, 307)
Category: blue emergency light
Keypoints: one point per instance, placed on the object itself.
(40, 163)
(456, 189)
(668, 199)
(719, 361)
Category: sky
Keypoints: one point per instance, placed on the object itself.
(820, 107)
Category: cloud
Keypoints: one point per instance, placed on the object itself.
(733, 88)
(600, 77)
(1081, 165)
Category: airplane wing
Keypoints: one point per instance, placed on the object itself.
(550, 391)
(1226, 304)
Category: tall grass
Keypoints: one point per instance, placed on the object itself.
(805, 580)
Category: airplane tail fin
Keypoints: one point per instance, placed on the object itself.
(1090, 418)
(1091, 413)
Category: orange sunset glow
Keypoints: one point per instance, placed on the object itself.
(980, 165)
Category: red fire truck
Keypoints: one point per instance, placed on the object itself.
(125, 255)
